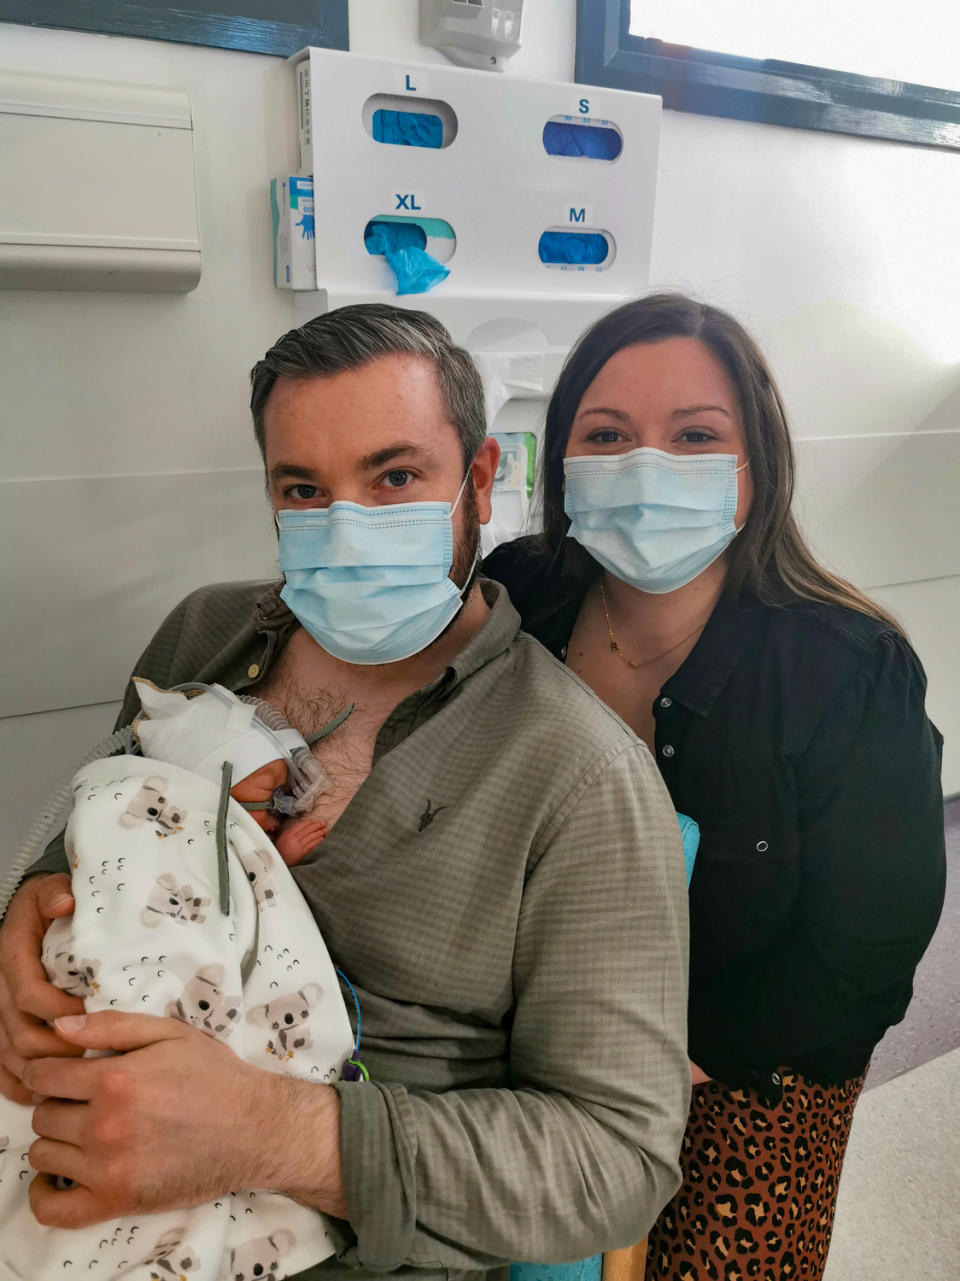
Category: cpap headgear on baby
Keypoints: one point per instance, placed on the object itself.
(200, 726)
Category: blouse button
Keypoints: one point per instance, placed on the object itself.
(762, 847)
(668, 751)
(666, 702)
(253, 670)
(563, 653)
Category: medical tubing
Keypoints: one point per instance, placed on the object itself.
(223, 859)
(120, 740)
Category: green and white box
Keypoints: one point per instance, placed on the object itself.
(294, 246)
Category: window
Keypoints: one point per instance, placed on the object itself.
(636, 44)
(257, 26)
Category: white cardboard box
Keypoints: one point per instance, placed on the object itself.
(294, 257)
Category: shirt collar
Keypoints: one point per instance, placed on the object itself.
(499, 630)
(497, 634)
(702, 676)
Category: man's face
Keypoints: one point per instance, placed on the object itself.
(376, 435)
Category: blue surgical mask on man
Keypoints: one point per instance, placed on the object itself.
(371, 584)
(654, 519)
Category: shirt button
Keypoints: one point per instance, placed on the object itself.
(762, 847)
(667, 751)
(666, 702)
(253, 670)
(775, 1077)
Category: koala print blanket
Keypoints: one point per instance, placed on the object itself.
(148, 935)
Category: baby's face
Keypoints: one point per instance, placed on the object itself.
(260, 786)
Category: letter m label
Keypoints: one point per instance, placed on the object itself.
(578, 215)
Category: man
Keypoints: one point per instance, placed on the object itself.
(503, 881)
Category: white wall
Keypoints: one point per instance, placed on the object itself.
(839, 253)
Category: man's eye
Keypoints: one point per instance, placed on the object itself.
(397, 479)
(302, 493)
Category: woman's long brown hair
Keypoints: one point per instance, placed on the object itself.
(770, 556)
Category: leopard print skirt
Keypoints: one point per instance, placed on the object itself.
(759, 1187)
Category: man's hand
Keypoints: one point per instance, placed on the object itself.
(28, 1000)
(173, 1122)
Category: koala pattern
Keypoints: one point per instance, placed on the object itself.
(204, 1005)
(75, 976)
(256, 864)
(259, 1260)
(150, 805)
(170, 1258)
(286, 1017)
(168, 899)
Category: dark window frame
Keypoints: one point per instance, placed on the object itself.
(765, 91)
(191, 22)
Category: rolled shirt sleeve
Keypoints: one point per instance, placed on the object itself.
(580, 1153)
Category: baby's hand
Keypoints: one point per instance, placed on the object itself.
(299, 838)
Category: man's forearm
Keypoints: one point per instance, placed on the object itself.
(301, 1158)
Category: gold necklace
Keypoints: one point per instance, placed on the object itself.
(647, 661)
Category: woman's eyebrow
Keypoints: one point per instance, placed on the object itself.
(699, 409)
(610, 413)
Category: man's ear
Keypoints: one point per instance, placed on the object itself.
(482, 470)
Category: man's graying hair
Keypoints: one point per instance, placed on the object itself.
(353, 336)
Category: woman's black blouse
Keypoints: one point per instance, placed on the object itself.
(796, 737)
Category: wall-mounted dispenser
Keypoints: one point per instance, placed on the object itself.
(99, 188)
(481, 34)
(537, 198)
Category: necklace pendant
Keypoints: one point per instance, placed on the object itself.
(614, 647)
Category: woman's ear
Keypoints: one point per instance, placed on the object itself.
(482, 470)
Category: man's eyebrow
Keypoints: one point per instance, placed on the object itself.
(699, 409)
(289, 471)
(403, 449)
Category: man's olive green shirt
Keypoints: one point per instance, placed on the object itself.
(506, 894)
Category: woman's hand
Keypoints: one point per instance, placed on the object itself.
(28, 1000)
(698, 1076)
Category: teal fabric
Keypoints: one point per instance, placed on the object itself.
(583, 1270)
(690, 835)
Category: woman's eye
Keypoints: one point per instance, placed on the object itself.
(301, 493)
(694, 436)
(605, 436)
(397, 479)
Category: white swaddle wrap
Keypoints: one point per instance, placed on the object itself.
(148, 936)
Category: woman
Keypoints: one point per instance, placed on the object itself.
(786, 712)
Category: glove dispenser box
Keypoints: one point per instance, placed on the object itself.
(99, 186)
(538, 197)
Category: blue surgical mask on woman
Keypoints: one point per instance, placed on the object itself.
(371, 584)
(654, 519)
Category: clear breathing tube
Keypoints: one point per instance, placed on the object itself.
(307, 776)
(120, 740)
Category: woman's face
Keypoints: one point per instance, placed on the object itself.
(673, 395)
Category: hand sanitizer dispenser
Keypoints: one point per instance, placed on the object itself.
(481, 34)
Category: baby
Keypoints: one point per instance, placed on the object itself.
(174, 727)
(177, 885)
